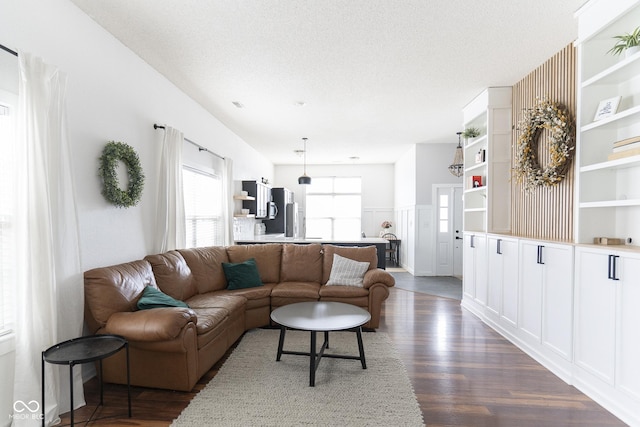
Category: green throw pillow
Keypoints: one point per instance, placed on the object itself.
(242, 274)
(154, 298)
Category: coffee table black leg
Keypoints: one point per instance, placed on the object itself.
(326, 339)
(126, 346)
(42, 403)
(361, 347)
(71, 390)
(280, 342)
(312, 360)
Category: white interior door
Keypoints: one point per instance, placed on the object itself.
(448, 212)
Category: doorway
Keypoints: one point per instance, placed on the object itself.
(448, 229)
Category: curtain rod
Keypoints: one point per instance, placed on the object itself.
(6, 49)
(200, 147)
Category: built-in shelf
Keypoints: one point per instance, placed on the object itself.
(244, 215)
(476, 166)
(476, 142)
(476, 210)
(621, 119)
(625, 69)
(610, 203)
(476, 190)
(244, 198)
(626, 162)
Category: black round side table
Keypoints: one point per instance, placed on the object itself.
(84, 350)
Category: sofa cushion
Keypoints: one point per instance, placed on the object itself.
(307, 290)
(267, 258)
(173, 275)
(242, 275)
(209, 319)
(347, 272)
(358, 253)
(114, 289)
(301, 263)
(154, 298)
(231, 303)
(206, 267)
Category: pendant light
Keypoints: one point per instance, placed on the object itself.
(457, 167)
(304, 179)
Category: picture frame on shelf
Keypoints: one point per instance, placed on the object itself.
(476, 181)
(481, 156)
(607, 108)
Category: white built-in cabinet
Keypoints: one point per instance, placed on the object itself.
(488, 156)
(474, 287)
(574, 306)
(502, 284)
(608, 190)
(546, 295)
(607, 318)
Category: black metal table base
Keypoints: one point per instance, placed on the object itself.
(316, 356)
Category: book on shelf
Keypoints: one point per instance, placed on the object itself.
(626, 147)
(626, 141)
(626, 153)
(481, 156)
(475, 181)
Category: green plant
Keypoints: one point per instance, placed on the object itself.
(113, 153)
(626, 41)
(470, 133)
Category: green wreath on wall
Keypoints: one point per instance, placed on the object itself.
(551, 116)
(113, 153)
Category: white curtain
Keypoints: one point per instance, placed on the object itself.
(227, 200)
(50, 296)
(171, 222)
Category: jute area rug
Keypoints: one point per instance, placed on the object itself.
(252, 389)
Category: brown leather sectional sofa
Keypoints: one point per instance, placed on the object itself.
(172, 347)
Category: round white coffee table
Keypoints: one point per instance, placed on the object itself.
(320, 316)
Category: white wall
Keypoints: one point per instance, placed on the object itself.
(112, 95)
(377, 188)
(415, 173)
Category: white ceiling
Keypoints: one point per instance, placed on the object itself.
(376, 76)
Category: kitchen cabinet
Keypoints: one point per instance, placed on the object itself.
(261, 193)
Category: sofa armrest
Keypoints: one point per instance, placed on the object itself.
(377, 275)
(156, 324)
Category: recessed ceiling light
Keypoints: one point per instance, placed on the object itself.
(300, 104)
(238, 104)
(354, 158)
(299, 153)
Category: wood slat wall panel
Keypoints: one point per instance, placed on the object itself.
(545, 213)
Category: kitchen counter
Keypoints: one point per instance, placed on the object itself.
(378, 242)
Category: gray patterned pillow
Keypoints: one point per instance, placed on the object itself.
(347, 272)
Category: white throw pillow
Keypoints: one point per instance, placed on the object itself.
(347, 272)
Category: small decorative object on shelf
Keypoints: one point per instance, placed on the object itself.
(476, 181)
(607, 241)
(607, 108)
(628, 43)
(112, 153)
(555, 118)
(471, 133)
(481, 156)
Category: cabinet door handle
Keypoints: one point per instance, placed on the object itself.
(471, 244)
(499, 247)
(539, 260)
(613, 267)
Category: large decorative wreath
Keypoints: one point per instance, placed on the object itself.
(112, 153)
(555, 118)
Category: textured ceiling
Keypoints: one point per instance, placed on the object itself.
(376, 76)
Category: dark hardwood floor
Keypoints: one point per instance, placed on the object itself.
(463, 373)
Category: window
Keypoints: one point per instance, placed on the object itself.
(334, 208)
(443, 217)
(7, 217)
(202, 208)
